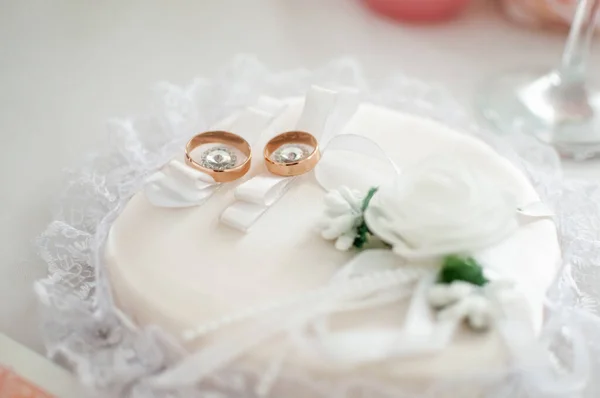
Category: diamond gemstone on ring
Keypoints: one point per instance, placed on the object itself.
(218, 158)
(290, 153)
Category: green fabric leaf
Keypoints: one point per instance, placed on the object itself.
(466, 269)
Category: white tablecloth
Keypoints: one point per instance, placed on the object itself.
(66, 66)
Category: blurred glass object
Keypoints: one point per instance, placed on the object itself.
(541, 13)
(558, 106)
(418, 10)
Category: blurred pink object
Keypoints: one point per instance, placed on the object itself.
(418, 10)
(541, 13)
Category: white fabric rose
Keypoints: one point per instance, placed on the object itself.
(443, 206)
(343, 213)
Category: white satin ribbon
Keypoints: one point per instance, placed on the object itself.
(324, 115)
(291, 315)
(178, 185)
(354, 161)
(420, 334)
(371, 279)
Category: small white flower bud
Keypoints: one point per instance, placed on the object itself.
(439, 296)
(479, 322)
(460, 289)
(344, 242)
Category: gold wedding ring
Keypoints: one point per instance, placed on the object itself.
(292, 153)
(220, 159)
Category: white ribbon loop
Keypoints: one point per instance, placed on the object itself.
(354, 161)
(252, 200)
(242, 215)
(324, 115)
(264, 190)
(178, 185)
(346, 105)
(318, 106)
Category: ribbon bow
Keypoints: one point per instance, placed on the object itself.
(324, 115)
(178, 185)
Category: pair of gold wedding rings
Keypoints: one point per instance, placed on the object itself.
(288, 154)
